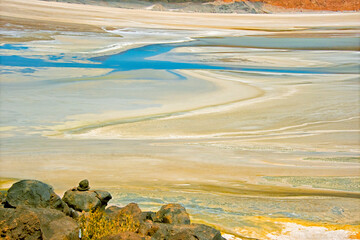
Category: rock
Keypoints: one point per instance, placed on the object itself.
(56, 225)
(123, 236)
(173, 214)
(82, 200)
(112, 212)
(36, 194)
(83, 185)
(130, 215)
(160, 231)
(36, 223)
(103, 196)
(2, 199)
(183, 235)
(30, 193)
(148, 216)
(146, 228)
(15, 224)
(2, 196)
(198, 231)
(132, 209)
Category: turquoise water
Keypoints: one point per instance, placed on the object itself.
(134, 59)
(138, 58)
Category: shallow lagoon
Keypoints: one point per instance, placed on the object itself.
(230, 127)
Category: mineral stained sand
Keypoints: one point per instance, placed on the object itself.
(250, 121)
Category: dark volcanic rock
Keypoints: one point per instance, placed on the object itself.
(32, 212)
(104, 196)
(36, 194)
(183, 235)
(124, 236)
(36, 223)
(160, 231)
(56, 225)
(132, 209)
(82, 200)
(2, 198)
(173, 214)
(112, 212)
(19, 224)
(30, 193)
(148, 216)
(199, 231)
(83, 185)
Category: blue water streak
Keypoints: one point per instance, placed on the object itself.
(137, 59)
(13, 47)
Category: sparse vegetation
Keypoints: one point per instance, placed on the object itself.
(95, 225)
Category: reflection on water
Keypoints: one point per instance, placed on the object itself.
(241, 130)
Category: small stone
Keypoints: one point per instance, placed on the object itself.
(83, 185)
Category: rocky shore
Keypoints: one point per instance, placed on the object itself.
(31, 210)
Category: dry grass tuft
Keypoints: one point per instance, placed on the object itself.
(95, 225)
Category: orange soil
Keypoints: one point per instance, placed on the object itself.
(331, 5)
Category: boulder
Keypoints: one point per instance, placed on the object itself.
(148, 216)
(103, 196)
(124, 236)
(36, 194)
(31, 193)
(15, 224)
(198, 231)
(183, 235)
(36, 223)
(146, 228)
(160, 231)
(56, 225)
(173, 214)
(132, 209)
(112, 212)
(82, 200)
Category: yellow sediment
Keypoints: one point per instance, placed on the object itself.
(275, 226)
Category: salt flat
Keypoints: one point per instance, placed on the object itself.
(241, 118)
